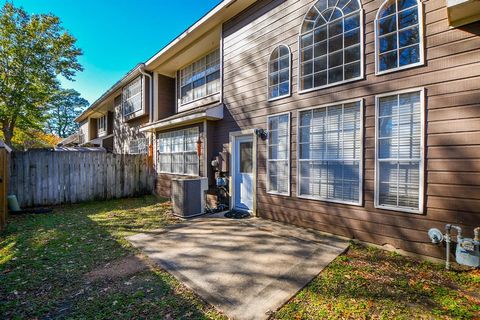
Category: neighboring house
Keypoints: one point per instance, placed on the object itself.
(70, 141)
(113, 121)
(371, 111)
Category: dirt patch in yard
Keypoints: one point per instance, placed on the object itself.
(119, 268)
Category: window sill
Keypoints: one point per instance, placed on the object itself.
(134, 115)
(399, 209)
(362, 77)
(212, 98)
(280, 97)
(415, 65)
(357, 204)
(285, 194)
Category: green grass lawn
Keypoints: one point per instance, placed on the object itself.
(75, 263)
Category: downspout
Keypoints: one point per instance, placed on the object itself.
(150, 110)
(150, 93)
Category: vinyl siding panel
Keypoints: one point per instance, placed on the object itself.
(451, 78)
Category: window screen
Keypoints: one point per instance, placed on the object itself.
(330, 148)
(278, 168)
(399, 151)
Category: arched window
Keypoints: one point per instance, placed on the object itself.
(331, 44)
(279, 73)
(399, 35)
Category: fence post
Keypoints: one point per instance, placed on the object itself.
(4, 172)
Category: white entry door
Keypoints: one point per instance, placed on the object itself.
(243, 171)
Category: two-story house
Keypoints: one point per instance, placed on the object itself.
(355, 117)
(113, 121)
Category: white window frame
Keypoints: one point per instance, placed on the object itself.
(289, 73)
(362, 145)
(183, 152)
(138, 142)
(421, 188)
(139, 78)
(288, 193)
(362, 58)
(102, 125)
(179, 91)
(421, 42)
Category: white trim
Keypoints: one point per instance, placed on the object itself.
(421, 42)
(288, 193)
(290, 61)
(197, 129)
(421, 190)
(361, 160)
(232, 138)
(362, 53)
(214, 113)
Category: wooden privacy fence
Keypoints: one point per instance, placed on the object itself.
(45, 177)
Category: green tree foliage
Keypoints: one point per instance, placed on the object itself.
(66, 105)
(34, 51)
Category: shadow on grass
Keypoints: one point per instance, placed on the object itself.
(44, 260)
(371, 283)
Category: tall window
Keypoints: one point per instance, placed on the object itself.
(330, 153)
(398, 29)
(201, 78)
(331, 44)
(399, 151)
(132, 97)
(278, 162)
(102, 124)
(279, 73)
(178, 152)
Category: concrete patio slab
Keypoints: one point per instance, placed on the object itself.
(245, 268)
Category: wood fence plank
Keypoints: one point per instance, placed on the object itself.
(44, 177)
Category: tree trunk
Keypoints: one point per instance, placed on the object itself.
(8, 135)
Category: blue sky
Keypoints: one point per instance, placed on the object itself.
(117, 34)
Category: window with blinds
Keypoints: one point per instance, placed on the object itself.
(177, 152)
(399, 151)
(278, 161)
(132, 97)
(330, 153)
(201, 78)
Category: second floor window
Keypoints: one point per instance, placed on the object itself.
(279, 73)
(398, 35)
(132, 97)
(102, 124)
(201, 78)
(331, 44)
